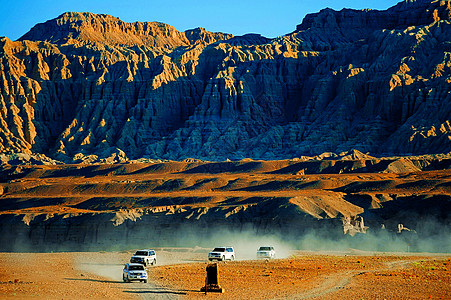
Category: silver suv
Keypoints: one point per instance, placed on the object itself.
(134, 272)
(266, 252)
(145, 257)
(222, 253)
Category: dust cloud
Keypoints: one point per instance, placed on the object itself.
(111, 269)
(425, 236)
(428, 236)
(246, 243)
(188, 245)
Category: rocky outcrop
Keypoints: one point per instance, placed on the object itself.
(85, 84)
(88, 28)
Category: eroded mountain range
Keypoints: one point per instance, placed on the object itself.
(83, 87)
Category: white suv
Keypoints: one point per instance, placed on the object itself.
(222, 253)
(134, 272)
(145, 257)
(266, 252)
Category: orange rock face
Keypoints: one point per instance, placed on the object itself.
(84, 87)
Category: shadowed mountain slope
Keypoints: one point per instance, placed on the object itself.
(86, 87)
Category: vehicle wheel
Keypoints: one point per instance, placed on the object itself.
(145, 280)
(223, 258)
(154, 262)
(232, 257)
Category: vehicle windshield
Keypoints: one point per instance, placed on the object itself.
(142, 253)
(136, 268)
(264, 249)
(219, 250)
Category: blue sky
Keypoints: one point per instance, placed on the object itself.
(270, 18)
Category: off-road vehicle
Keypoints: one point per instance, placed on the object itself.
(266, 252)
(145, 257)
(222, 253)
(134, 271)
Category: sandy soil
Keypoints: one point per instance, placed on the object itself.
(180, 274)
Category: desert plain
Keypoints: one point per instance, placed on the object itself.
(180, 274)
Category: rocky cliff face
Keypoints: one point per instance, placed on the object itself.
(84, 86)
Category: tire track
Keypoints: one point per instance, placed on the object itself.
(333, 282)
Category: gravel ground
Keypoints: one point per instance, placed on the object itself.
(180, 274)
(307, 275)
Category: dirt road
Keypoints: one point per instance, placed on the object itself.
(180, 274)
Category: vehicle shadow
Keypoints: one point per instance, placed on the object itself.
(142, 289)
(156, 290)
(95, 280)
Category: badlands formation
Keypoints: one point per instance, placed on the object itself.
(84, 87)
